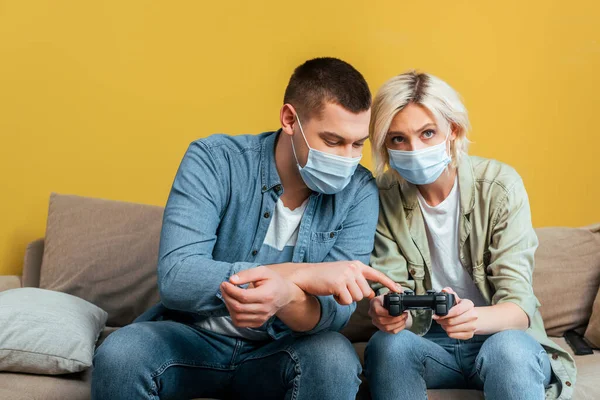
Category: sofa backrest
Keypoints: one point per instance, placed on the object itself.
(107, 251)
(567, 276)
(33, 263)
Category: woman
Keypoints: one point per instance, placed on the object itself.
(461, 224)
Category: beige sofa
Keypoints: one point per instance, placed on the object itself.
(105, 252)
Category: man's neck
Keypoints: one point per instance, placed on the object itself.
(295, 190)
(436, 192)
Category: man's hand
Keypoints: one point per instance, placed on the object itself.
(461, 321)
(345, 280)
(383, 321)
(267, 293)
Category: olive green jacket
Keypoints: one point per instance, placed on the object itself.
(497, 246)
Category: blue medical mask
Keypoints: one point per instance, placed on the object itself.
(421, 167)
(325, 173)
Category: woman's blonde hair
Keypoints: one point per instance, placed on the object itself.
(428, 91)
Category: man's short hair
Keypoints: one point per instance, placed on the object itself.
(327, 80)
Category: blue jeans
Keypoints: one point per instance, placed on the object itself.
(507, 365)
(172, 360)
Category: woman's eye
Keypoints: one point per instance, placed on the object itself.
(428, 134)
(397, 139)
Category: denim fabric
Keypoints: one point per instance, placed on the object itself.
(171, 360)
(507, 365)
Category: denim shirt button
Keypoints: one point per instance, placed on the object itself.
(267, 215)
(568, 383)
(331, 235)
(278, 188)
(254, 252)
(264, 188)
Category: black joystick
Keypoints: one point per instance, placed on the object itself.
(439, 302)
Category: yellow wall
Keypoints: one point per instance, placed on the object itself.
(101, 98)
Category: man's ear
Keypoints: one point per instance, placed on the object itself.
(287, 117)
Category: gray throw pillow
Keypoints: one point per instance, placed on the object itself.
(46, 332)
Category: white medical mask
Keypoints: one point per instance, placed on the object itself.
(421, 167)
(325, 173)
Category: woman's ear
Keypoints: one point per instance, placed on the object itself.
(454, 131)
(287, 117)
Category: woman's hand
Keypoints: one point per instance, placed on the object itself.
(461, 321)
(383, 321)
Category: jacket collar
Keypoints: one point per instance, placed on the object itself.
(269, 175)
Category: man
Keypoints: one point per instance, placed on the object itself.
(262, 256)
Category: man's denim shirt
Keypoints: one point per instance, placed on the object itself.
(218, 213)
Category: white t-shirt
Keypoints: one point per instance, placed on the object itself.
(441, 223)
(277, 248)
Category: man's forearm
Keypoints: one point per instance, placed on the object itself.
(500, 317)
(289, 270)
(302, 313)
(183, 288)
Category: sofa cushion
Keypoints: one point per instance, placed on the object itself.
(9, 282)
(46, 332)
(588, 370)
(103, 251)
(567, 276)
(46, 387)
(105, 333)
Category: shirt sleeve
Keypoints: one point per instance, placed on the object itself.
(512, 248)
(188, 276)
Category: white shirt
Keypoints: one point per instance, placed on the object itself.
(441, 223)
(278, 247)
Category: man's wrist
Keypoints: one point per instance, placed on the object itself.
(291, 271)
(298, 295)
(298, 299)
(301, 275)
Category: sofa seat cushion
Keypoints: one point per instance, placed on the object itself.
(45, 387)
(8, 282)
(588, 371)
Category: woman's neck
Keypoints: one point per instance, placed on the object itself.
(436, 192)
